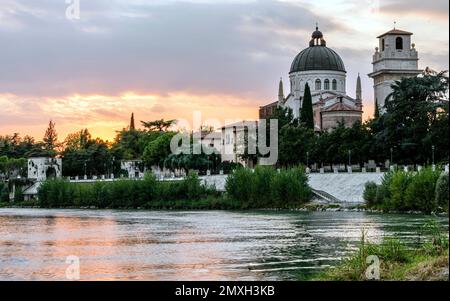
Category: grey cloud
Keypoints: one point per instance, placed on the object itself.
(201, 48)
(435, 7)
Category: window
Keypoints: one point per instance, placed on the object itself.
(318, 84)
(334, 84)
(399, 43)
(382, 45)
(326, 84)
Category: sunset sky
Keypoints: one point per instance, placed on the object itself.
(167, 58)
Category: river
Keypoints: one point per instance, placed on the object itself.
(187, 245)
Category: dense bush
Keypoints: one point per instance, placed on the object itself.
(399, 184)
(370, 193)
(442, 194)
(421, 192)
(383, 191)
(148, 193)
(266, 188)
(404, 191)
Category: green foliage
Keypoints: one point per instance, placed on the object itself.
(405, 191)
(158, 150)
(306, 114)
(438, 243)
(442, 193)
(420, 193)
(376, 114)
(370, 193)
(148, 193)
(383, 191)
(398, 261)
(399, 185)
(267, 188)
(416, 119)
(12, 167)
(4, 193)
(50, 138)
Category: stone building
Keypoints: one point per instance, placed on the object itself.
(41, 169)
(324, 71)
(395, 57)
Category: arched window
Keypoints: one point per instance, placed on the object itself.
(326, 84)
(399, 43)
(334, 84)
(318, 84)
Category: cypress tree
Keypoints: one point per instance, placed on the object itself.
(377, 110)
(306, 113)
(132, 126)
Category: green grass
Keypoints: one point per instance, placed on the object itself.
(397, 261)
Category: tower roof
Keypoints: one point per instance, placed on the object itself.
(396, 32)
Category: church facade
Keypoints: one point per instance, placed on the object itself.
(324, 71)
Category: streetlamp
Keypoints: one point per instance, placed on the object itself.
(349, 157)
(112, 169)
(392, 156)
(85, 166)
(433, 148)
(307, 159)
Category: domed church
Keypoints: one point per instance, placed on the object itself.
(324, 71)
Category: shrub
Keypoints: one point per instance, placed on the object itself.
(383, 191)
(442, 193)
(420, 193)
(265, 187)
(370, 193)
(399, 184)
(239, 186)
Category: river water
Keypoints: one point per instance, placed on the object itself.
(191, 245)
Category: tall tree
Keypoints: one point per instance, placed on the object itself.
(415, 119)
(306, 114)
(132, 126)
(50, 137)
(376, 115)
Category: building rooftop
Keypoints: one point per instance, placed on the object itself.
(397, 32)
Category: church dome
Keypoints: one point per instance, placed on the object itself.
(317, 57)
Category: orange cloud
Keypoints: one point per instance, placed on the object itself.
(103, 115)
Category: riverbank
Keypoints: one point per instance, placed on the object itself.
(396, 260)
(224, 203)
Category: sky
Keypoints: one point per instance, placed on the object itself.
(168, 58)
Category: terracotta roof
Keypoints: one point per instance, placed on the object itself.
(340, 107)
(269, 105)
(396, 31)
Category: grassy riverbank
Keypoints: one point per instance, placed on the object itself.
(397, 261)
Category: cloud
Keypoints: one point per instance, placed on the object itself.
(418, 8)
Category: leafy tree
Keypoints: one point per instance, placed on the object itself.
(307, 115)
(158, 150)
(50, 137)
(158, 125)
(419, 107)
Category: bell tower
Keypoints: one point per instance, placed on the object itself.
(395, 57)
